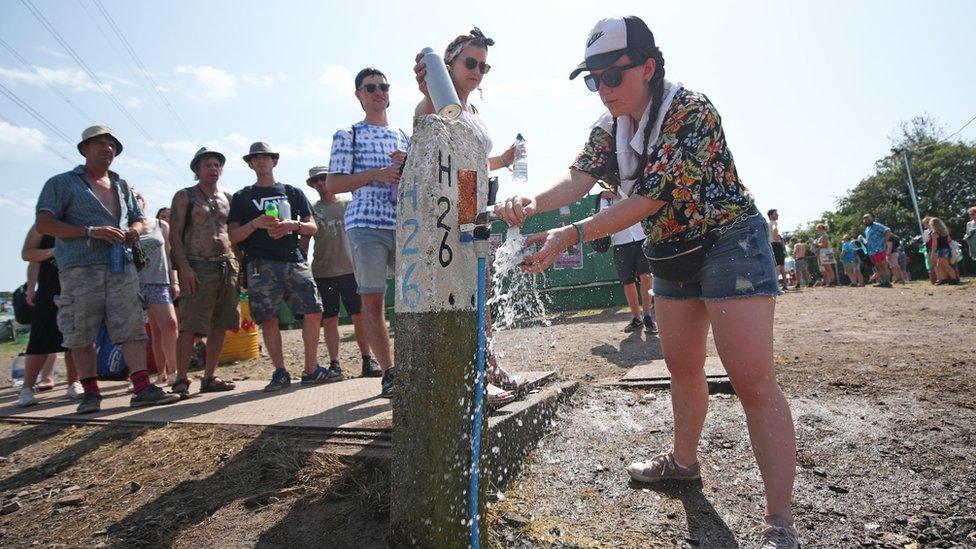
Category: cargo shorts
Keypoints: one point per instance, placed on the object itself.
(90, 296)
(271, 282)
(214, 306)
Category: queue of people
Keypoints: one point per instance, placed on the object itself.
(877, 256)
(208, 244)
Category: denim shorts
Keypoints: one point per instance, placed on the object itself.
(740, 264)
(156, 294)
(373, 257)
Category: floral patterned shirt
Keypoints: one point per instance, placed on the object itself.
(689, 168)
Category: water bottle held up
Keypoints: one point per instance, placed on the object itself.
(520, 167)
(284, 209)
(271, 209)
(440, 87)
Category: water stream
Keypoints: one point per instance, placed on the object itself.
(515, 302)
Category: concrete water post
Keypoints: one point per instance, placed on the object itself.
(443, 187)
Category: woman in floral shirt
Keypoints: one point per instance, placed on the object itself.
(664, 147)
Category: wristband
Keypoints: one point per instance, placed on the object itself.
(579, 232)
(88, 232)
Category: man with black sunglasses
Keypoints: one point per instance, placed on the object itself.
(366, 160)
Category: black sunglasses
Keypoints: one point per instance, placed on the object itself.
(371, 88)
(610, 78)
(470, 63)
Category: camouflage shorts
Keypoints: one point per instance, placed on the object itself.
(91, 295)
(271, 282)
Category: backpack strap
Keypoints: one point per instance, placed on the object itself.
(189, 211)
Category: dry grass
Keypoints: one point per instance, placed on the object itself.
(183, 475)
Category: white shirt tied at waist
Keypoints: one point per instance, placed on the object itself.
(633, 233)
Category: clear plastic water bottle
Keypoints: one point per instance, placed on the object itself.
(520, 167)
(17, 370)
(116, 259)
(284, 209)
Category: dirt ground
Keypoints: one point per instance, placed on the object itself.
(881, 383)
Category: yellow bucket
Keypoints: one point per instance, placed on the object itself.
(242, 343)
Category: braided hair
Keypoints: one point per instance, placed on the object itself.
(656, 85)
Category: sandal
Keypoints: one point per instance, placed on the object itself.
(498, 397)
(41, 387)
(214, 384)
(181, 387)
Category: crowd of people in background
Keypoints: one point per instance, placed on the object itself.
(877, 256)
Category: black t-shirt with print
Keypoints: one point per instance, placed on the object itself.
(249, 202)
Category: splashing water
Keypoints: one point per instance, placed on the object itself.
(515, 301)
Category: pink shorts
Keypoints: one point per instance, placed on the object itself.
(879, 258)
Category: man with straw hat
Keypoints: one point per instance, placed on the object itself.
(92, 214)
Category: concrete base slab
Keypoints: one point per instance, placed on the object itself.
(515, 430)
(655, 374)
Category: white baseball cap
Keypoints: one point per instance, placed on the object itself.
(611, 38)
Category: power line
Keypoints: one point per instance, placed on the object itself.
(957, 132)
(91, 74)
(32, 68)
(44, 143)
(145, 71)
(31, 111)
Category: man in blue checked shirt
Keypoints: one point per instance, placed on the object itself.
(366, 161)
(92, 213)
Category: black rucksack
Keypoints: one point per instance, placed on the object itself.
(23, 312)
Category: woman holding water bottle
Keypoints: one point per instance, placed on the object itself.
(466, 59)
(664, 147)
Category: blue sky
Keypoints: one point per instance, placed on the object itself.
(810, 94)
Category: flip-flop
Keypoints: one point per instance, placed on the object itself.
(498, 397)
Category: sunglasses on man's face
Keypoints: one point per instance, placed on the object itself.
(371, 88)
(610, 78)
(471, 63)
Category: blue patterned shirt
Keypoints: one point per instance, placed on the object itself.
(875, 235)
(72, 201)
(371, 206)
